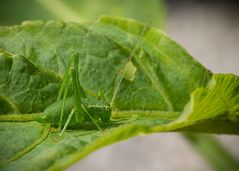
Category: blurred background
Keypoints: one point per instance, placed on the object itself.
(208, 29)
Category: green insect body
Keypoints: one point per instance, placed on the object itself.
(97, 108)
(85, 109)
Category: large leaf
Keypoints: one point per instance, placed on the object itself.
(171, 91)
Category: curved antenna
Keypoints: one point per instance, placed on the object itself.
(131, 55)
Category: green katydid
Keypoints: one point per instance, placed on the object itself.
(84, 108)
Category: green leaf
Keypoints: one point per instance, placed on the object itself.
(31, 135)
(170, 91)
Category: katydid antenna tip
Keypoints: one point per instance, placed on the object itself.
(131, 55)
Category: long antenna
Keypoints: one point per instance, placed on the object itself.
(131, 55)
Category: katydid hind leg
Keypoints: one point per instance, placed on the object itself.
(63, 107)
(65, 79)
(67, 121)
(63, 91)
(65, 86)
(81, 111)
(78, 91)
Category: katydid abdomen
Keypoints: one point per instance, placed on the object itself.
(99, 110)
